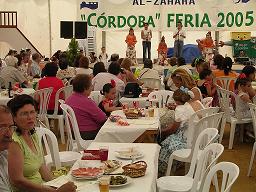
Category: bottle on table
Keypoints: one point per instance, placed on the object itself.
(10, 90)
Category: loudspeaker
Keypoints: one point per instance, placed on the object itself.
(66, 29)
(80, 30)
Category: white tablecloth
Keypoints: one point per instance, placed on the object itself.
(4, 98)
(141, 184)
(129, 101)
(113, 133)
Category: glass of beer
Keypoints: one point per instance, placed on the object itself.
(151, 112)
(104, 183)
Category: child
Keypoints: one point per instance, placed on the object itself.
(178, 131)
(131, 41)
(103, 57)
(242, 87)
(109, 92)
(162, 52)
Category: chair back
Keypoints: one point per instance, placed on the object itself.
(96, 96)
(152, 83)
(70, 81)
(225, 82)
(50, 143)
(72, 125)
(253, 113)
(211, 121)
(207, 102)
(200, 120)
(162, 97)
(230, 173)
(65, 92)
(208, 134)
(254, 99)
(225, 98)
(207, 159)
(43, 97)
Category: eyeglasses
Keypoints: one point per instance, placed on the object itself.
(27, 114)
(11, 128)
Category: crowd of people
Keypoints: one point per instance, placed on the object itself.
(20, 149)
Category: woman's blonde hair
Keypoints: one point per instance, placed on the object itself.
(184, 77)
(126, 64)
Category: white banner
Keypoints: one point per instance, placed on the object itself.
(222, 15)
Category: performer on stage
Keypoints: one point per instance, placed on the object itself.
(162, 52)
(131, 41)
(179, 36)
(146, 35)
(206, 45)
(103, 57)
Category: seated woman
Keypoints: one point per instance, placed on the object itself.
(180, 77)
(130, 78)
(249, 72)
(242, 87)
(26, 166)
(50, 80)
(207, 86)
(89, 116)
(109, 92)
(226, 71)
(178, 130)
(148, 71)
(65, 72)
(84, 66)
(199, 65)
(98, 68)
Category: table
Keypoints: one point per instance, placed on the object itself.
(113, 133)
(4, 98)
(145, 184)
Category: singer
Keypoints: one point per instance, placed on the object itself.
(146, 35)
(179, 36)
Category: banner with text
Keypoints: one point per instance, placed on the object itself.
(222, 15)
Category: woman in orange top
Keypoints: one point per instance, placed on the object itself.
(131, 41)
(206, 45)
(226, 71)
(162, 51)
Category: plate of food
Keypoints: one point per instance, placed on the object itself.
(111, 165)
(87, 173)
(129, 153)
(119, 181)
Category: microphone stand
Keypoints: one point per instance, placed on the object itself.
(178, 43)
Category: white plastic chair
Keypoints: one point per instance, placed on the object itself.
(78, 144)
(253, 112)
(230, 172)
(200, 165)
(54, 157)
(96, 96)
(163, 97)
(185, 155)
(226, 105)
(66, 91)
(43, 97)
(207, 102)
(152, 83)
(225, 82)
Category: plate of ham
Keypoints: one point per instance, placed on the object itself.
(87, 173)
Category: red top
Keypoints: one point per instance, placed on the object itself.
(131, 40)
(53, 82)
(162, 47)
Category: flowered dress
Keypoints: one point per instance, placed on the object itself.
(131, 52)
(104, 102)
(242, 107)
(162, 53)
(177, 140)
